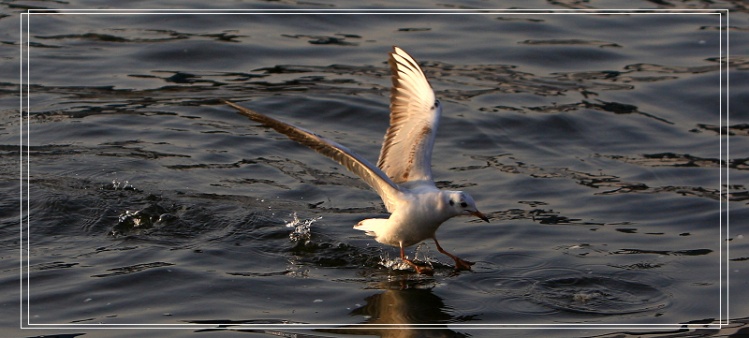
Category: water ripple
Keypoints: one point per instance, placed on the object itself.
(598, 295)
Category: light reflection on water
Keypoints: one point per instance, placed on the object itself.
(591, 141)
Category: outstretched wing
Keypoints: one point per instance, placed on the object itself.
(414, 116)
(374, 177)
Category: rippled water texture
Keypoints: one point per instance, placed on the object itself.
(593, 142)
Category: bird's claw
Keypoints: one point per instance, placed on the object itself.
(461, 264)
(421, 269)
(424, 270)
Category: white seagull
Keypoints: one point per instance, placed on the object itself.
(403, 175)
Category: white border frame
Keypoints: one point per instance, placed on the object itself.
(24, 190)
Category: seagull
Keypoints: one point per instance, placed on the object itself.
(403, 175)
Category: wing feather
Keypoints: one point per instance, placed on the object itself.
(414, 117)
(374, 177)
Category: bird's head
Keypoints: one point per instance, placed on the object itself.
(462, 204)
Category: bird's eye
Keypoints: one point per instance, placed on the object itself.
(463, 204)
(436, 103)
(452, 202)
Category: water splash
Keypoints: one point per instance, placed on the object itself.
(152, 216)
(398, 264)
(393, 263)
(118, 185)
(302, 228)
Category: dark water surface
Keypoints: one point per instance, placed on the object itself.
(593, 142)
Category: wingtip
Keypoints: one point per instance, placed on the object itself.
(227, 102)
(399, 51)
(234, 105)
(391, 54)
(246, 111)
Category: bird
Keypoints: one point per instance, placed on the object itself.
(403, 175)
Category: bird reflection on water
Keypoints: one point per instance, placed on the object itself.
(404, 308)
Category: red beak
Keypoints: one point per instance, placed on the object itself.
(480, 215)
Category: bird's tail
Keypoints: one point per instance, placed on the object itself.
(371, 225)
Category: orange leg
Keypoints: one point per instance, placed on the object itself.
(419, 269)
(459, 263)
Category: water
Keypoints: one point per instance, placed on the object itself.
(591, 141)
